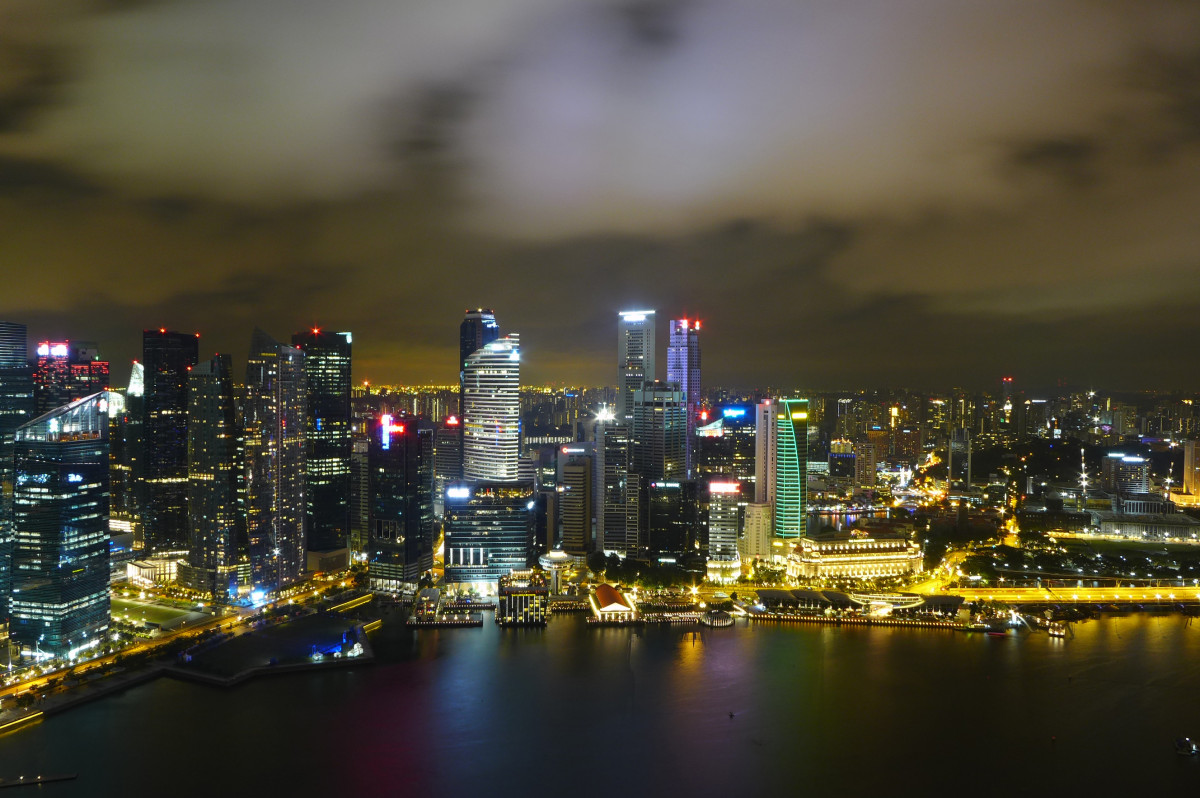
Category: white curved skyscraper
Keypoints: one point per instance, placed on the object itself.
(492, 411)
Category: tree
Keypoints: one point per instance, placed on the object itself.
(596, 562)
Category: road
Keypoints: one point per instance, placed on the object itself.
(1078, 595)
(41, 682)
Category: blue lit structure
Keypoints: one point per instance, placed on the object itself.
(60, 602)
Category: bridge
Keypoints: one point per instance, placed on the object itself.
(1078, 595)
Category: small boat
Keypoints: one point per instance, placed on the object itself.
(1057, 630)
(1184, 746)
(994, 633)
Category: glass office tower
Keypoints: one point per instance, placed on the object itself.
(328, 435)
(401, 525)
(489, 530)
(60, 559)
(274, 418)
(635, 357)
(166, 358)
(16, 408)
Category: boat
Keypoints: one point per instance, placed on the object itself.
(1184, 746)
(1057, 630)
(994, 633)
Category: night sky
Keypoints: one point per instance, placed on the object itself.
(847, 193)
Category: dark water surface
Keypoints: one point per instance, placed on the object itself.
(570, 710)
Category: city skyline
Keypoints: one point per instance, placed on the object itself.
(941, 193)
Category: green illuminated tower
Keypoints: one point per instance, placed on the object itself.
(791, 467)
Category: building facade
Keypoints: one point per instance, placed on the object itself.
(635, 357)
(850, 557)
(683, 368)
(488, 530)
(61, 519)
(274, 420)
(166, 358)
(328, 436)
(214, 477)
(790, 499)
(16, 408)
(724, 559)
(401, 525)
(491, 416)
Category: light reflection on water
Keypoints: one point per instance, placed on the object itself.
(588, 711)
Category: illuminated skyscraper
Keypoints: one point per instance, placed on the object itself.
(489, 530)
(659, 432)
(214, 518)
(400, 546)
(683, 367)
(724, 564)
(791, 467)
(328, 434)
(166, 358)
(766, 438)
(616, 491)
(16, 408)
(59, 601)
(1191, 467)
(274, 422)
(492, 411)
(66, 371)
(635, 357)
(478, 329)
(575, 490)
(125, 458)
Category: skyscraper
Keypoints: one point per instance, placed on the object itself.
(478, 329)
(1191, 467)
(400, 546)
(125, 457)
(659, 432)
(683, 367)
(635, 357)
(214, 517)
(724, 564)
(59, 602)
(616, 492)
(328, 434)
(16, 408)
(66, 371)
(491, 416)
(766, 438)
(274, 420)
(166, 358)
(791, 467)
(575, 487)
(489, 530)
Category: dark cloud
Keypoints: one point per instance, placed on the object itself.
(846, 194)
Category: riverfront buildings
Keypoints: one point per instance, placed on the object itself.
(724, 561)
(275, 419)
(489, 530)
(328, 445)
(163, 477)
(522, 597)
(853, 555)
(60, 557)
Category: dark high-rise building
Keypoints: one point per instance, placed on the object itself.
(125, 456)
(447, 459)
(166, 358)
(328, 432)
(59, 600)
(401, 526)
(360, 499)
(672, 518)
(575, 492)
(616, 489)
(214, 516)
(683, 367)
(16, 408)
(489, 530)
(478, 329)
(659, 433)
(727, 446)
(273, 432)
(66, 371)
